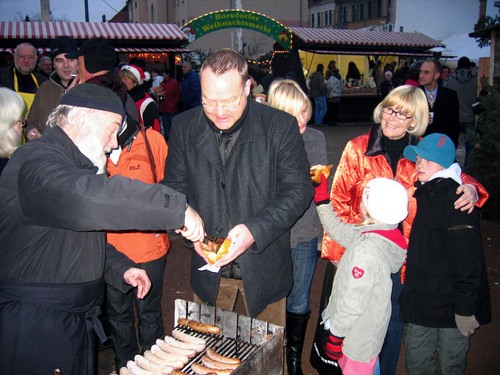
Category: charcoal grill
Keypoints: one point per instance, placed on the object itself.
(257, 343)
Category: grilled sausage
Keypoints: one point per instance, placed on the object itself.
(203, 370)
(209, 362)
(199, 347)
(198, 326)
(157, 351)
(146, 364)
(136, 370)
(185, 337)
(176, 364)
(317, 170)
(190, 353)
(222, 358)
(179, 372)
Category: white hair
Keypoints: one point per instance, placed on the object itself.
(11, 110)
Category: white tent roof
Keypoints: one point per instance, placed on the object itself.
(462, 45)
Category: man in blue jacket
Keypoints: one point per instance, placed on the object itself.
(190, 87)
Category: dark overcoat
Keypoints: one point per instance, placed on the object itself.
(446, 114)
(264, 184)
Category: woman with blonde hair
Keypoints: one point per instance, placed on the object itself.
(286, 94)
(400, 119)
(11, 123)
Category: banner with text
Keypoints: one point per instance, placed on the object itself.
(234, 19)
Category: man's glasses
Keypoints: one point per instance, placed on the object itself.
(399, 115)
(212, 105)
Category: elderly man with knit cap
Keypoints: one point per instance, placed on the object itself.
(55, 206)
(50, 92)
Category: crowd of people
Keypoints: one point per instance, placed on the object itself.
(89, 199)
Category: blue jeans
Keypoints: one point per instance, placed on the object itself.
(304, 258)
(120, 307)
(320, 109)
(166, 122)
(392, 344)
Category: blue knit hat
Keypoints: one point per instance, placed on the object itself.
(435, 147)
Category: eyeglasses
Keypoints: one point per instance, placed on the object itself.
(212, 105)
(399, 115)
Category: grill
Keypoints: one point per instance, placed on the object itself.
(257, 343)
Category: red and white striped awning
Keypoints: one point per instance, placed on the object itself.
(87, 30)
(122, 50)
(362, 39)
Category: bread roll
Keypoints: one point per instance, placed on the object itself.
(223, 249)
(319, 169)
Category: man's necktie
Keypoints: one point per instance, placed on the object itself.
(431, 99)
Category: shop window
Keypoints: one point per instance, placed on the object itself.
(378, 10)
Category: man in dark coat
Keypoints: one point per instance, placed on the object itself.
(55, 204)
(22, 77)
(243, 167)
(443, 102)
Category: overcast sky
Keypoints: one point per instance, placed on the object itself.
(74, 10)
(70, 10)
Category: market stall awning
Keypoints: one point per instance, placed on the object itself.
(361, 41)
(121, 35)
(122, 50)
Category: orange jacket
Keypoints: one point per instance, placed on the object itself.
(356, 168)
(134, 163)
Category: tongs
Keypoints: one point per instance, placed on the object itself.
(212, 243)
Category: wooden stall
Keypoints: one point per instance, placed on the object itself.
(317, 45)
(157, 44)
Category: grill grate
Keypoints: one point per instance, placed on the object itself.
(223, 345)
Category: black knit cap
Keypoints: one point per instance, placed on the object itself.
(98, 54)
(62, 44)
(463, 63)
(88, 95)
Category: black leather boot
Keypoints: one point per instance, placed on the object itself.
(296, 325)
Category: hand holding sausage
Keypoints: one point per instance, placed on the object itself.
(241, 240)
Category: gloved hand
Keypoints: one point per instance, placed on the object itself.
(321, 194)
(333, 347)
(466, 324)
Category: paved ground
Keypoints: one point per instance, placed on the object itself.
(484, 358)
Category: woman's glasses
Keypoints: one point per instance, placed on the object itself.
(399, 115)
